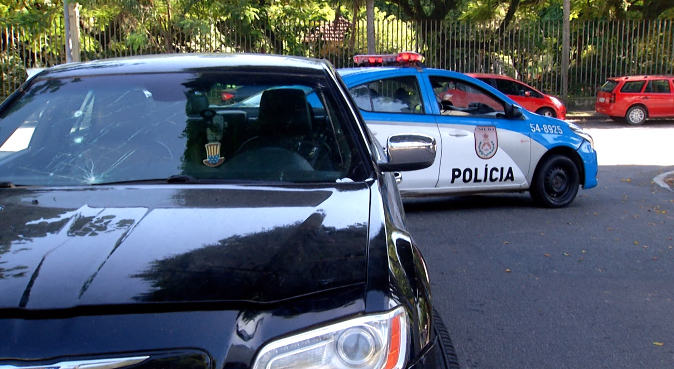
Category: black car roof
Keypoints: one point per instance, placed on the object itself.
(188, 63)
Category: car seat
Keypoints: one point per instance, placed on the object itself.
(284, 111)
(284, 135)
(403, 95)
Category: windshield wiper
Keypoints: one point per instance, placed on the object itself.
(181, 178)
(178, 178)
(7, 185)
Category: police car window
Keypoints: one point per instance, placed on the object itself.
(392, 95)
(361, 95)
(459, 98)
(632, 86)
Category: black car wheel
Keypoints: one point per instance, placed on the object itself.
(449, 358)
(636, 115)
(556, 182)
(546, 112)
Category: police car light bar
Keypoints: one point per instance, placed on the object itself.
(402, 58)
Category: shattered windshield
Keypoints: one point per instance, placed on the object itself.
(202, 126)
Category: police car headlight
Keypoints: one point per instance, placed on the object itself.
(368, 342)
(582, 133)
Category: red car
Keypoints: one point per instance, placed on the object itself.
(636, 98)
(525, 95)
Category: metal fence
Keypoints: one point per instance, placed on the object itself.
(530, 52)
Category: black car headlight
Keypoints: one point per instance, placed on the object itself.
(367, 342)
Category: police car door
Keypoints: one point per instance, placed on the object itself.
(394, 105)
(482, 150)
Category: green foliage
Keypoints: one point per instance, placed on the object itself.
(483, 11)
(13, 71)
(124, 27)
(136, 41)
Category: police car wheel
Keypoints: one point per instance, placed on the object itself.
(556, 182)
(636, 115)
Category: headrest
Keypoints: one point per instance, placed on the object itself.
(284, 111)
(196, 103)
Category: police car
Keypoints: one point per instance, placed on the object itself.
(486, 142)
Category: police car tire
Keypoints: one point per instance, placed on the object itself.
(555, 182)
(636, 115)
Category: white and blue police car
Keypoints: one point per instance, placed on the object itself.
(486, 142)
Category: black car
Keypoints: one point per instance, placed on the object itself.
(148, 220)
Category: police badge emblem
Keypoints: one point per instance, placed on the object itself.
(486, 141)
(213, 158)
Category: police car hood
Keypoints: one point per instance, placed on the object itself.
(66, 248)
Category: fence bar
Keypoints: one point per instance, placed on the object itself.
(528, 51)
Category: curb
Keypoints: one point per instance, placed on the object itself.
(583, 116)
(665, 180)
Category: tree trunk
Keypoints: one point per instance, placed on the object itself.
(71, 17)
(566, 40)
(370, 27)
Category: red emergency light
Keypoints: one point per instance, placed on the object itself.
(402, 58)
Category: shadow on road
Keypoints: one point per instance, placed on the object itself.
(487, 201)
(611, 124)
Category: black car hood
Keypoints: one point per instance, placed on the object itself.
(63, 248)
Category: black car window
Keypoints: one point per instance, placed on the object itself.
(203, 126)
(392, 95)
(633, 86)
(459, 98)
(657, 86)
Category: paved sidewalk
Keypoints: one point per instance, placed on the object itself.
(584, 115)
(588, 116)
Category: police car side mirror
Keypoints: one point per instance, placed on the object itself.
(513, 111)
(407, 152)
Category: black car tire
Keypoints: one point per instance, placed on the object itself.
(636, 115)
(555, 182)
(546, 112)
(449, 358)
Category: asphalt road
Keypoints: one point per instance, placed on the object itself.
(588, 286)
